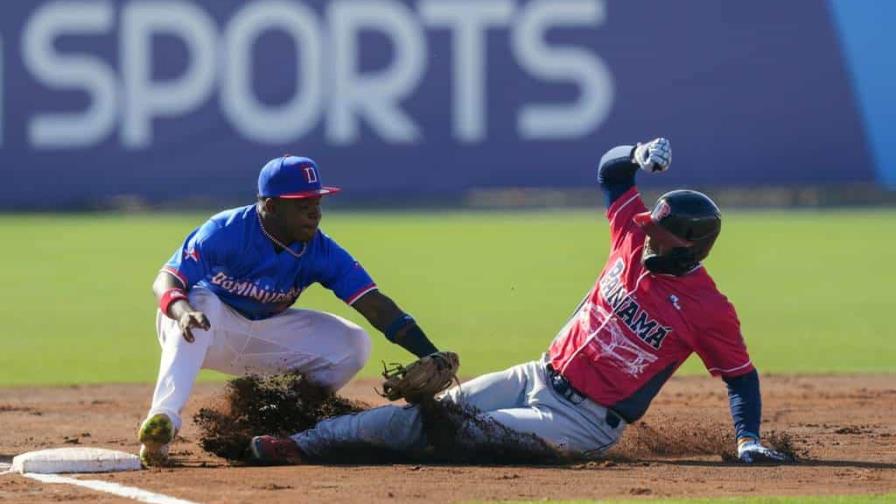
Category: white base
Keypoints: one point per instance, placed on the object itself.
(74, 460)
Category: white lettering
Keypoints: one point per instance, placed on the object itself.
(145, 99)
(255, 120)
(330, 80)
(468, 20)
(56, 71)
(374, 95)
(562, 64)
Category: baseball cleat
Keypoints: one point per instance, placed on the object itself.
(270, 450)
(156, 435)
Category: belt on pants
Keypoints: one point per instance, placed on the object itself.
(562, 386)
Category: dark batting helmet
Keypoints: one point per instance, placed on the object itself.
(684, 224)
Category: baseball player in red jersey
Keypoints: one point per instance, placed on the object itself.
(651, 307)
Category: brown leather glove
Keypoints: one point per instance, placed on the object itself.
(422, 379)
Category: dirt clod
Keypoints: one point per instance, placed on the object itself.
(252, 406)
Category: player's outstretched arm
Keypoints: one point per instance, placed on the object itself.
(172, 298)
(616, 173)
(746, 411)
(399, 327)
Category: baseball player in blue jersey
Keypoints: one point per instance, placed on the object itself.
(225, 297)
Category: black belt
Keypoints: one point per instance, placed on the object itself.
(562, 386)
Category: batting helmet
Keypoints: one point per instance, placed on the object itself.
(684, 224)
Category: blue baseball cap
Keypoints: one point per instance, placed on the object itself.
(291, 177)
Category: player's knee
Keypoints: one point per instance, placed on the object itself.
(359, 342)
(357, 347)
(396, 427)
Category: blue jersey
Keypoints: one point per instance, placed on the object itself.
(231, 256)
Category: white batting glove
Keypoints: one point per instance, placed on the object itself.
(751, 451)
(653, 156)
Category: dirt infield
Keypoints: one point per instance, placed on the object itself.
(843, 426)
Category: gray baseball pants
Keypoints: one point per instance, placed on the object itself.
(521, 398)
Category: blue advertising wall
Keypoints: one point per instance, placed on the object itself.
(179, 99)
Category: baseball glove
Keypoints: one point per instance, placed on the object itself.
(422, 379)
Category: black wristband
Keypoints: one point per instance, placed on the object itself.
(415, 341)
(397, 325)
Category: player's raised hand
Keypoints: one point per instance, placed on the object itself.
(751, 451)
(653, 156)
(190, 320)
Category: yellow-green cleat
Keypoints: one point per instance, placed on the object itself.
(156, 435)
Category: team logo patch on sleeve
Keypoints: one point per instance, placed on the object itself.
(191, 253)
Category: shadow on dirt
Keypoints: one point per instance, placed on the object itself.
(851, 464)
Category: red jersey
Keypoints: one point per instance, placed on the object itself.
(635, 328)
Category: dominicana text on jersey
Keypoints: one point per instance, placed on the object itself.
(231, 256)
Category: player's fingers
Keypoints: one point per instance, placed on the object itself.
(188, 334)
(203, 321)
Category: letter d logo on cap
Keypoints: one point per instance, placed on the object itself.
(310, 174)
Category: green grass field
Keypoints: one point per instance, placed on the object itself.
(813, 289)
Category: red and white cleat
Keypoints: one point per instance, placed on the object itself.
(270, 450)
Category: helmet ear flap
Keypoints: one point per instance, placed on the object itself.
(685, 225)
(702, 247)
(677, 261)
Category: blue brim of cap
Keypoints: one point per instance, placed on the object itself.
(310, 194)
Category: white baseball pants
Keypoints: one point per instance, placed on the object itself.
(327, 349)
(520, 398)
